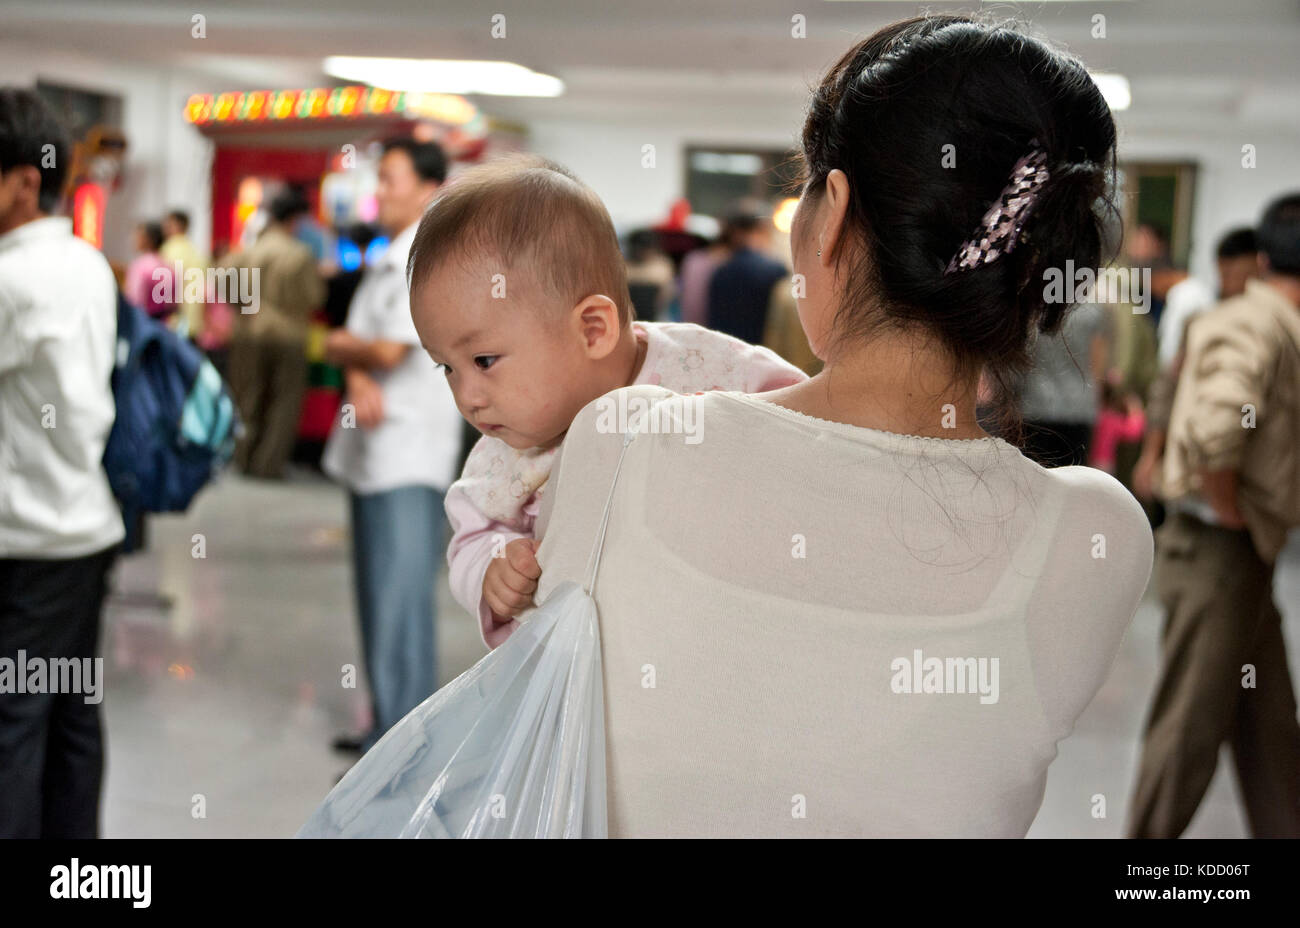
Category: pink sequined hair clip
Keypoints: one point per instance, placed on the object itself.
(999, 231)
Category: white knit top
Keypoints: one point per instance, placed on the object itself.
(810, 628)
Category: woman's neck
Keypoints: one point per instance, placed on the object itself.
(893, 382)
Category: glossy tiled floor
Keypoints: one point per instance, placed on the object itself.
(224, 703)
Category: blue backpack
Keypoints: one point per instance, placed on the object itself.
(176, 422)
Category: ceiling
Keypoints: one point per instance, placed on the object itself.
(691, 60)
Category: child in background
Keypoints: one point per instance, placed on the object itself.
(519, 292)
(146, 271)
(1120, 420)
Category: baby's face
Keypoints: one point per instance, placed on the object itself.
(515, 369)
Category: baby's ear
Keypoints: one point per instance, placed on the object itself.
(599, 324)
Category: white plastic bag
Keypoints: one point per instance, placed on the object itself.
(513, 747)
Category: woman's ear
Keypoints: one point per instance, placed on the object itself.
(835, 201)
(598, 324)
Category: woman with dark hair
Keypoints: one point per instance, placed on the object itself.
(842, 608)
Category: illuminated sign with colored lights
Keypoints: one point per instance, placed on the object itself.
(260, 106)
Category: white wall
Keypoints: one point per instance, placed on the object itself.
(608, 157)
(1227, 194)
(167, 160)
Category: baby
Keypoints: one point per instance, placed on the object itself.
(519, 293)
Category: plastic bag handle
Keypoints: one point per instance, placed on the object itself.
(593, 562)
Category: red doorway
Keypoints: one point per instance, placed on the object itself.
(303, 167)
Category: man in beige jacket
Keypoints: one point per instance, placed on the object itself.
(1232, 476)
(268, 360)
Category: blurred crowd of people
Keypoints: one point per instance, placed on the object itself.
(394, 444)
(395, 439)
(1098, 392)
(732, 282)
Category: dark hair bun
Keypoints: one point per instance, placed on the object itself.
(927, 119)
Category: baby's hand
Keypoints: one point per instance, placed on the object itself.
(510, 581)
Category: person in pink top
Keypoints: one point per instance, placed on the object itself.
(147, 271)
(693, 280)
(1121, 420)
(519, 293)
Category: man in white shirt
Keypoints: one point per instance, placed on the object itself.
(395, 446)
(59, 523)
(1185, 299)
(1235, 259)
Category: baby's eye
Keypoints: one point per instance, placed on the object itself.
(442, 367)
(485, 361)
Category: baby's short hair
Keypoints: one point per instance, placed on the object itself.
(526, 208)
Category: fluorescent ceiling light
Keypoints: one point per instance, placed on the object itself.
(1114, 87)
(436, 75)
